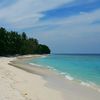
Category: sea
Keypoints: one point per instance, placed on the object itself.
(82, 68)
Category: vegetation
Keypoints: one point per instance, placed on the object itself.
(12, 43)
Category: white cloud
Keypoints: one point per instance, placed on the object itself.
(25, 13)
(77, 30)
(77, 24)
(74, 30)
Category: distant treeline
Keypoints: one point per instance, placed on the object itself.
(12, 43)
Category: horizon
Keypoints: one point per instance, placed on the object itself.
(75, 53)
(66, 26)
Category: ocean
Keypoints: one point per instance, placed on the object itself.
(81, 68)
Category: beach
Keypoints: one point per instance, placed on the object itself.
(20, 81)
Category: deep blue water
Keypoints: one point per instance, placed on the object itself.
(79, 67)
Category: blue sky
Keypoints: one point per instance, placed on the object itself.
(66, 26)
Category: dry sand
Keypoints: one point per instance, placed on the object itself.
(17, 84)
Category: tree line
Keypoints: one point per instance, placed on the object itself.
(12, 43)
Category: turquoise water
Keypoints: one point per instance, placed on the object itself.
(78, 67)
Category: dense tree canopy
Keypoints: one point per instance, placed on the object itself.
(12, 43)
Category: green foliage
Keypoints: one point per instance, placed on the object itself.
(43, 48)
(12, 43)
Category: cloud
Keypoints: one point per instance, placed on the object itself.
(83, 19)
(78, 31)
(75, 31)
(25, 13)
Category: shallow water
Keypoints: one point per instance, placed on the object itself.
(83, 68)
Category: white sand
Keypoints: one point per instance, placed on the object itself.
(17, 84)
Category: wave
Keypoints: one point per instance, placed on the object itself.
(61, 73)
(66, 75)
(69, 77)
(91, 85)
(81, 82)
(51, 68)
(85, 84)
(35, 64)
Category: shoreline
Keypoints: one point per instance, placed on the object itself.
(60, 74)
(17, 84)
(70, 78)
(44, 84)
(52, 77)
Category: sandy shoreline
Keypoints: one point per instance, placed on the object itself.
(17, 84)
(40, 84)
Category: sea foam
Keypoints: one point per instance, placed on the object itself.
(69, 77)
(85, 84)
(35, 64)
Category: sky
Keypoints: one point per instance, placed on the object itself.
(66, 26)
